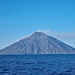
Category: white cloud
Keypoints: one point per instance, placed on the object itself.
(66, 37)
(39, 30)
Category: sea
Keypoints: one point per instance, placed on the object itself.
(37, 64)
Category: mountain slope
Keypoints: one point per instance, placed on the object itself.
(38, 43)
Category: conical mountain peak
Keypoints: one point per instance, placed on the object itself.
(39, 34)
(38, 43)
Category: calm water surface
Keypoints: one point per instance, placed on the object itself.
(37, 64)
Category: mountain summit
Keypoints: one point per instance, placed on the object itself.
(38, 43)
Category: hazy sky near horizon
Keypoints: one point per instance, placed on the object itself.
(19, 18)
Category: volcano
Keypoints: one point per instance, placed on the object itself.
(38, 43)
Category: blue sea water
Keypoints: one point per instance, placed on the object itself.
(37, 64)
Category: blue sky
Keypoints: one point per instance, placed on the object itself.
(19, 18)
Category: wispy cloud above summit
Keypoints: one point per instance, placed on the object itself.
(67, 37)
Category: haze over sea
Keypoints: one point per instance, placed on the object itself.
(37, 64)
